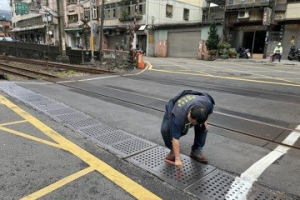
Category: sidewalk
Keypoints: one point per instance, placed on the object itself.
(264, 61)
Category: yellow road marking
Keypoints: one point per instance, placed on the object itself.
(30, 137)
(229, 78)
(118, 178)
(12, 123)
(234, 70)
(58, 184)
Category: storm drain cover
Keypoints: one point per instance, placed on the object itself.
(96, 130)
(129, 147)
(152, 160)
(83, 123)
(71, 117)
(214, 186)
(60, 111)
(33, 98)
(260, 193)
(112, 137)
(49, 105)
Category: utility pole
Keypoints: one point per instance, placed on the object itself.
(92, 31)
(101, 31)
(61, 28)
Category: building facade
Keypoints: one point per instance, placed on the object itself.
(5, 27)
(39, 24)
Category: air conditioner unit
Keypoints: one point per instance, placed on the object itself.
(243, 14)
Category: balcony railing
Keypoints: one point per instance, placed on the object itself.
(236, 4)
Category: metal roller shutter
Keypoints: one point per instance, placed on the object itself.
(183, 44)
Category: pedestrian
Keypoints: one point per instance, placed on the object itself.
(188, 109)
(277, 52)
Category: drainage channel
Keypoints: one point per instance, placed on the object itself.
(203, 181)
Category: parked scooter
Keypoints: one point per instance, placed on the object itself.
(294, 54)
(244, 53)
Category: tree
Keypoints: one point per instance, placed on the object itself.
(213, 38)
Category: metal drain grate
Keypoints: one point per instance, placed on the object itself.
(71, 117)
(150, 159)
(33, 98)
(192, 172)
(214, 186)
(83, 123)
(96, 130)
(60, 111)
(48, 105)
(112, 137)
(130, 147)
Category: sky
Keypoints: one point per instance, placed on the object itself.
(4, 5)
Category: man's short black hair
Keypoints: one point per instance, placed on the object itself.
(199, 113)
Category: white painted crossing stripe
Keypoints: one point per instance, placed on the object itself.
(91, 79)
(251, 174)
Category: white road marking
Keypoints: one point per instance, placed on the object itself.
(251, 174)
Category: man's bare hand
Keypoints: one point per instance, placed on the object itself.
(179, 168)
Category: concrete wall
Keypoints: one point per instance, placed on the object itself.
(205, 31)
(157, 12)
(292, 11)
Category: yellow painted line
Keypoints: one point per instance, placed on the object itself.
(148, 64)
(118, 178)
(263, 75)
(27, 136)
(229, 78)
(12, 123)
(58, 184)
(234, 70)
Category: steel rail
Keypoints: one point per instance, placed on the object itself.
(215, 125)
(56, 65)
(10, 69)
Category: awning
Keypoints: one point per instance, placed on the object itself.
(18, 29)
(142, 27)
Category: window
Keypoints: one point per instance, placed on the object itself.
(87, 13)
(186, 14)
(73, 18)
(169, 11)
(95, 14)
(72, 1)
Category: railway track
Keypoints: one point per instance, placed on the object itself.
(118, 97)
(31, 74)
(56, 65)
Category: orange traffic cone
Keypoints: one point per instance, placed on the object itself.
(141, 64)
